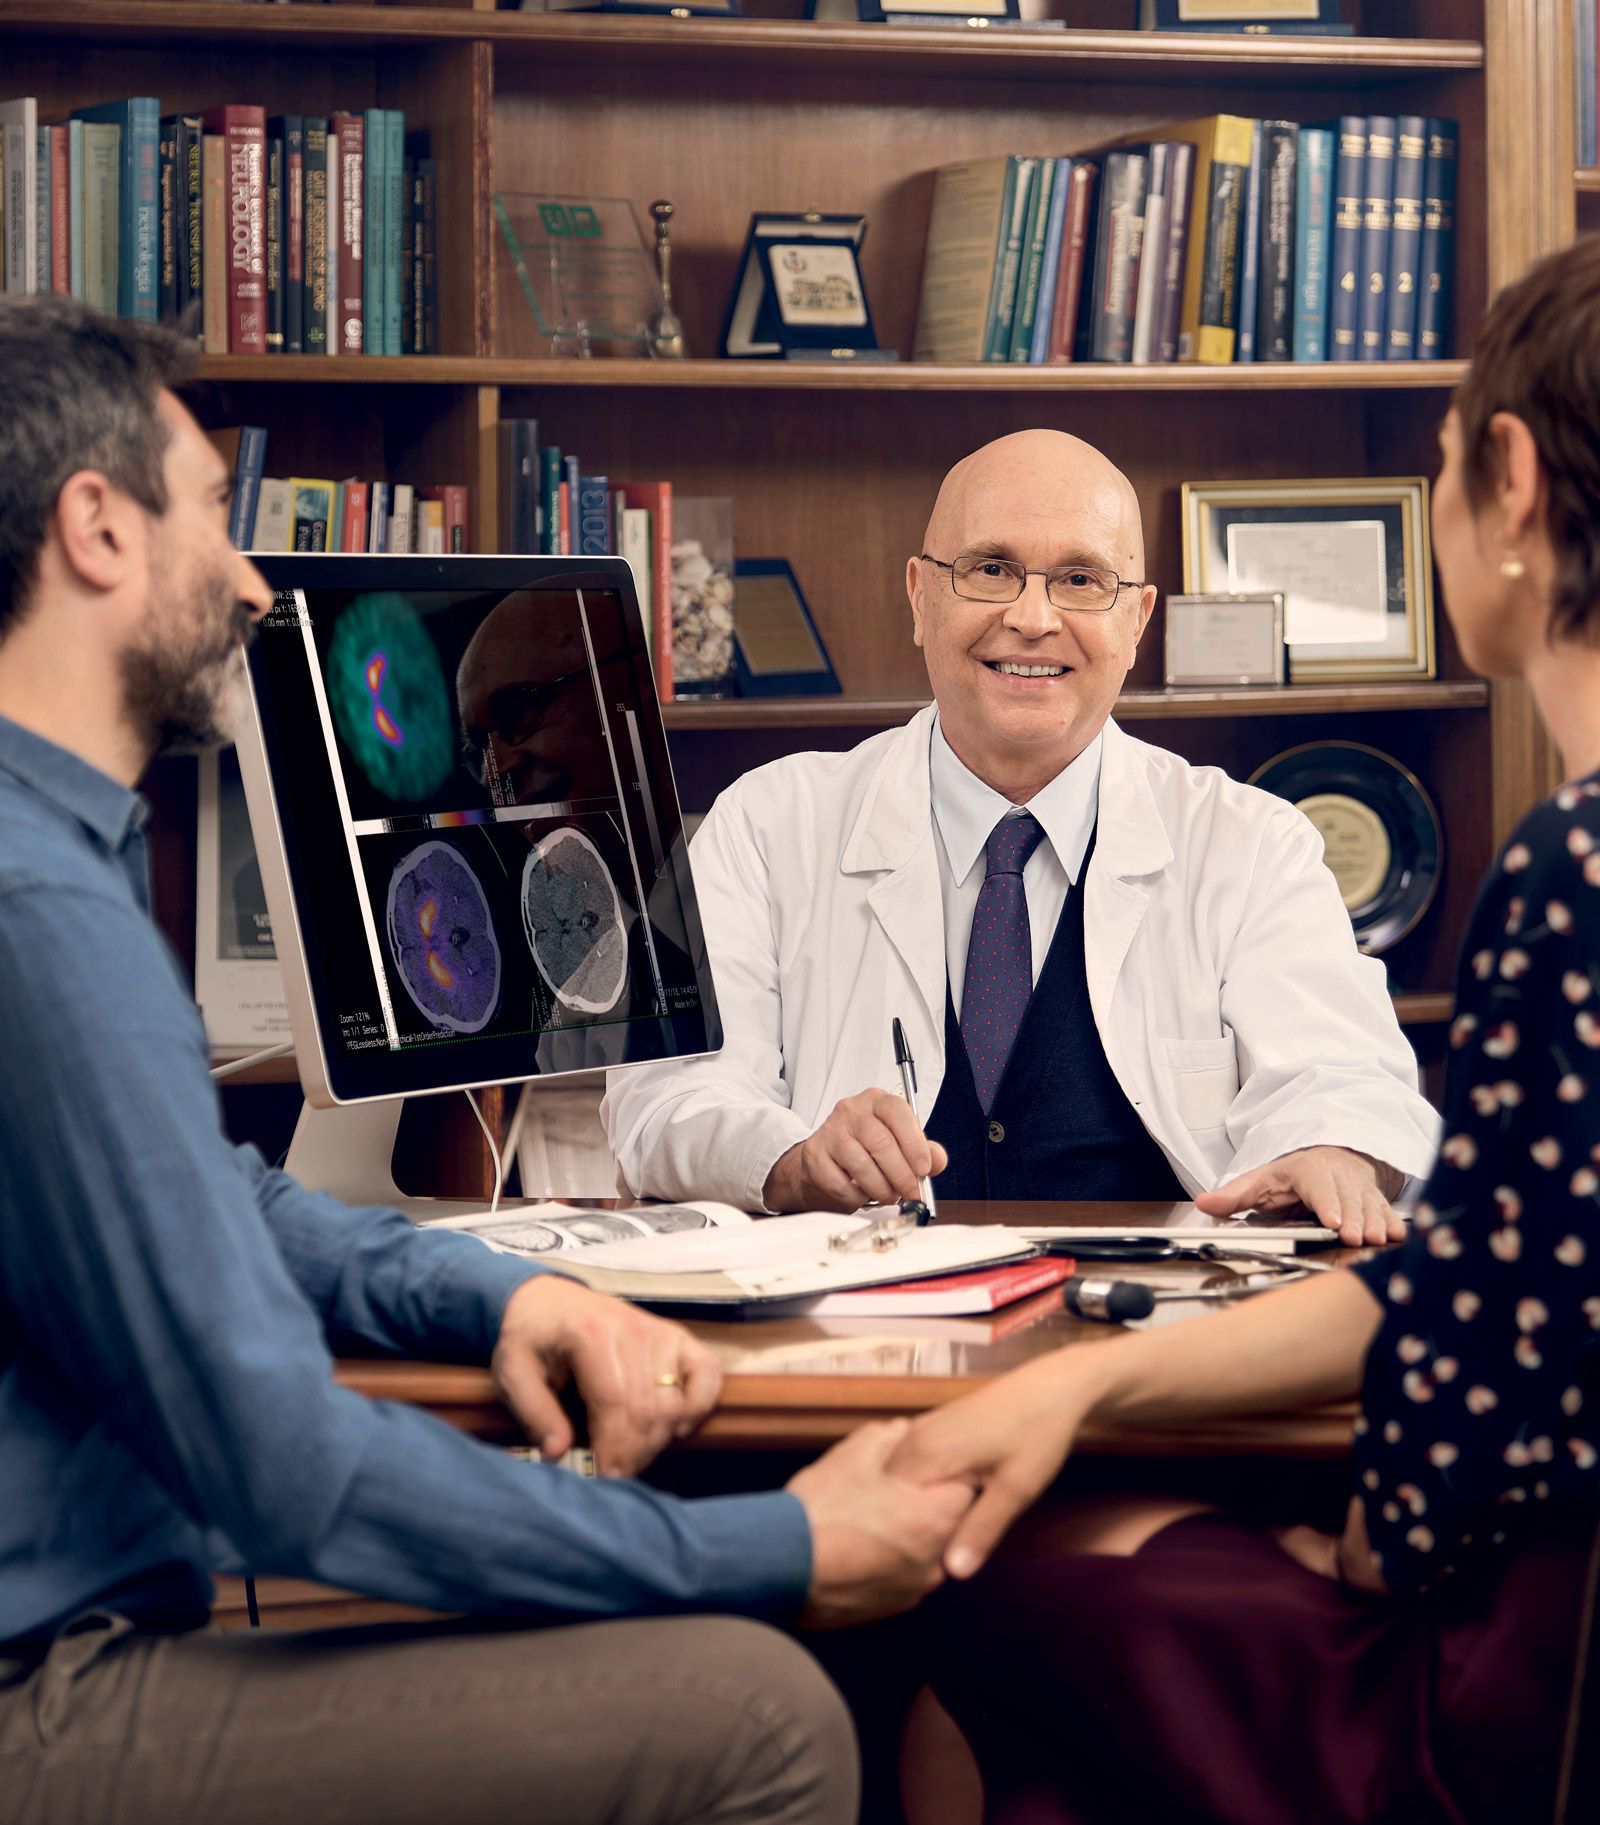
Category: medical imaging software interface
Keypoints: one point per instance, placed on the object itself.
(481, 833)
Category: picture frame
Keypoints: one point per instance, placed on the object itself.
(799, 290)
(777, 651)
(1224, 640)
(936, 12)
(1352, 558)
(1311, 18)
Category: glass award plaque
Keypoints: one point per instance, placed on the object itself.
(584, 269)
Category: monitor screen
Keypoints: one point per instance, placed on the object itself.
(470, 837)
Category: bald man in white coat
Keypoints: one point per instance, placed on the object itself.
(1119, 975)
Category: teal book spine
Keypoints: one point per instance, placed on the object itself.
(375, 214)
(550, 497)
(394, 184)
(1032, 276)
(1006, 199)
(139, 202)
(1019, 196)
(1313, 229)
(75, 210)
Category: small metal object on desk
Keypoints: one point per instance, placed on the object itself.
(884, 1232)
(665, 328)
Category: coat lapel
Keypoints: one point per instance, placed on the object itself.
(1131, 845)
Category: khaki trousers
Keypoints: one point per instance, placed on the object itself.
(693, 1721)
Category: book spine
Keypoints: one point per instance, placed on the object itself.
(1436, 258)
(316, 239)
(408, 256)
(1588, 152)
(416, 294)
(1377, 229)
(550, 499)
(1180, 213)
(1250, 249)
(430, 523)
(243, 130)
(378, 518)
(141, 166)
(457, 532)
(60, 211)
(77, 210)
(43, 250)
(1032, 261)
(1116, 262)
(394, 183)
(1216, 321)
(661, 593)
(348, 134)
(276, 201)
(191, 283)
(960, 260)
(248, 469)
(593, 516)
(171, 184)
(102, 157)
(1313, 226)
(1044, 311)
(274, 527)
(313, 514)
(522, 526)
(1405, 237)
(1280, 147)
(429, 236)
(1152, 254)
(341, 494)
(294, 235)
(1344, 261)
(374, 257)
(1074, 254)
(214, 239)
(997, 344)
(335, 187)
(357, 508)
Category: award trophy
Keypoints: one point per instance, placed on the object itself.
(585, 272)
(666, 329)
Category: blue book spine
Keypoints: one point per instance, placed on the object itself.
(247, 474)
(1030, 274)
(42, 269)
(1009, 263)
(75, 208)
(1250, 259)
(394, 183)
(1405, 237)
(1436, 261)
(593, 516)
(373, 249)
(1040, 345)
(1584, 33)
(378, 525)
(139, 206)
(1313, 217)
(1377, 232)
(1344, 250)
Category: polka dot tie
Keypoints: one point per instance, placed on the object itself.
(999, 977)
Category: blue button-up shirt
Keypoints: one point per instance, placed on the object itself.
(168, 1305)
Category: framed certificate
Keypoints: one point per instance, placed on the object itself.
(1351, 560)
(1225, 640)
(799, 290)
(777, 649)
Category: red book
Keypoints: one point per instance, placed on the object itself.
(985, 1289)
(1074, 243)
(60, 214)
(453, 498)
(243, 130)
(350, 133)
(357, 505)
(656, 499)
(564, 519)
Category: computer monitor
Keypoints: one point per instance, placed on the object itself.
(469, 835)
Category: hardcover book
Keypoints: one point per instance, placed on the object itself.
(1436, 259)
(1003, 301)
(960, 260)
(1313, 228)
(243, 131)
(1405, 237)
(138, 120)
(1280, 147)
(1377, 227)
(1108, 323)
(1344, 264)
(1209, 318)
(346, 279)
(1081, 184)
(1250, 249)
(1153, 253)
(1180, 211)
(316, 236)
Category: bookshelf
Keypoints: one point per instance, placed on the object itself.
(834, 468)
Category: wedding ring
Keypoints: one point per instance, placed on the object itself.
(668, 1380)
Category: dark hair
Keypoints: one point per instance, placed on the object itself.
(77, 391)
(1537, 355)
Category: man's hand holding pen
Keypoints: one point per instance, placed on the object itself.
(870, 1150)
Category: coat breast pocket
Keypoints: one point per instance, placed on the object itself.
(1205, 1077)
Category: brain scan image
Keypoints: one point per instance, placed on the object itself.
(442, 938)
(572, 917)
(388, 694)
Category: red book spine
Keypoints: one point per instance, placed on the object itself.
(1074, 243)
(60, 213)
(564, 519)
(244, 135)
(454, 497)
(656, 499)
(357, 505)
(350, 132)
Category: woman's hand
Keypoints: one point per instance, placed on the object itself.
(1345, 1557)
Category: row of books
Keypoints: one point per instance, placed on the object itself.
(302, 513)
(1226, 239)
(1586, 75)
(298, 234)
(550, 503)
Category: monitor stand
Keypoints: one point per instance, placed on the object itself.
(349, 1151)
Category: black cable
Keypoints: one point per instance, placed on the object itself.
(250, 1602)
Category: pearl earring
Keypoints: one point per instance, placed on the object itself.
(1512, 568)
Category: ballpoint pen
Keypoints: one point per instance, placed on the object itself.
(908, 1083)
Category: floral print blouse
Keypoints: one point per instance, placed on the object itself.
(1482, 1390)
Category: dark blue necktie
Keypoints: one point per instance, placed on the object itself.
(999, 979)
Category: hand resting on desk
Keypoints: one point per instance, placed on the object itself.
(1345, 1191)
(870, 1150)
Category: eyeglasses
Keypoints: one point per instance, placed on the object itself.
(1068, 586)
(517, 714)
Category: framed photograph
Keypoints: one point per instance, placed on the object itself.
(777, 649)
(236, 979)
(1351, 559)
(1319, 18)
(1224, 640)
(881, 10)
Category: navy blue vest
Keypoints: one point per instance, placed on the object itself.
(1061, 1126)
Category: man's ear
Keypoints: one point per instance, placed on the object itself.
(1147, 607)
(95, 525)
(914, 594)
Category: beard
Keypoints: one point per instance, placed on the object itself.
(181, 680)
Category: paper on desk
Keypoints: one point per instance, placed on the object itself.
(559, 1229)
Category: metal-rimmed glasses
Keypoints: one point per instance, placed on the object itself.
(1083, 587)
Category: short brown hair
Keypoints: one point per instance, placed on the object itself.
(1537, 355)
(79, 391)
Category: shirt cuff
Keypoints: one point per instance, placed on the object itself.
(755, 1554)
(470, 1286)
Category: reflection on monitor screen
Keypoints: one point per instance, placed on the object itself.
(475, 820)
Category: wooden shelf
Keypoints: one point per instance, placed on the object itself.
(546, 39)
(1132, 706)
(1586, 180)
(1431, 1008)
(819, 377)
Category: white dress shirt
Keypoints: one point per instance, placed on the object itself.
(965, 811)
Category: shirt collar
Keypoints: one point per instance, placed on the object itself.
(967, 810)
(107, 809)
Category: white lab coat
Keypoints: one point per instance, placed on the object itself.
(1233, 1005)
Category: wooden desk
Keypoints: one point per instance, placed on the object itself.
(798, 1384)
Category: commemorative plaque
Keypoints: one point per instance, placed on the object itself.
(584, 270)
